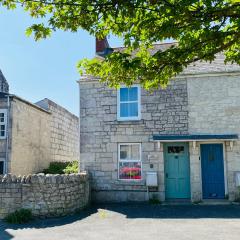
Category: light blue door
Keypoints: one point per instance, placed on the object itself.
(177, 171)
(212, 171)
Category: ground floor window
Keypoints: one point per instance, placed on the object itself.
(1, 167)
(129, 161)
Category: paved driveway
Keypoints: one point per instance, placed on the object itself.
(135, 222)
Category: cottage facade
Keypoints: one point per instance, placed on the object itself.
(33, 135)
(187, 134)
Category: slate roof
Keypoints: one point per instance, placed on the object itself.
(4, 87)
(200, 67)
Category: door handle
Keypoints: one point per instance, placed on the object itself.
(166, 175)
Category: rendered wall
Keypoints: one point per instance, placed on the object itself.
(214, 107)
(30, 139)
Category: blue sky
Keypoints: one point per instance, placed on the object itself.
(46, 68)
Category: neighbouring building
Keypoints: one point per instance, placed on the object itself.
(33, 135)
(188, 134)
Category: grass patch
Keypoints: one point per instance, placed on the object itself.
(19, 216)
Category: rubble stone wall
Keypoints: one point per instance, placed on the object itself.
(45, 195)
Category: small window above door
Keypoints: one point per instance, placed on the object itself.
(175, 149)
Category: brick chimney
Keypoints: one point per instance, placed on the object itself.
(102, 47)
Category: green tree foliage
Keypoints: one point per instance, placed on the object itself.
(62, 168)
(202, 29)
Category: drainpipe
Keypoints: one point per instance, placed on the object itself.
(79, 130)
(81, 163)
(7, 134)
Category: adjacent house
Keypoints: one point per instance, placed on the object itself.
(33, 135)
(187, 135)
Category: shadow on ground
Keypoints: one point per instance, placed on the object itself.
(131, 211)
(174, 211)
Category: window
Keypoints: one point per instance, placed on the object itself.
(1, 167)
(129, 103)
(176, 149)
(3, 123)
(129, 163)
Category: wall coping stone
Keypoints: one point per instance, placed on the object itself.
(44, 178)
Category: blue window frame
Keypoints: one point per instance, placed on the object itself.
(129, 103)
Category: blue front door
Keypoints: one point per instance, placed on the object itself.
(212, 171)
(177, 171)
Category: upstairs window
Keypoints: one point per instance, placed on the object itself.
(129, 103)
(3, 123)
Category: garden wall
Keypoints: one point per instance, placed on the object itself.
(46, 195)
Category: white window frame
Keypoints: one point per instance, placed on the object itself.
(4, 111)
(139, 104)
(129, 160)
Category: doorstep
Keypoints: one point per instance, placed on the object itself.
(177, 202)
(215, 202)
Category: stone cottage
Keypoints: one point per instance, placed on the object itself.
(33, 135)
(186, 136)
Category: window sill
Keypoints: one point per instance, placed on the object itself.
(128, 119)
(125, 122)
(131, 182)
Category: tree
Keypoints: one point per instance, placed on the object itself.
(202, 28)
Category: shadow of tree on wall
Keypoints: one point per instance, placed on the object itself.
(130, 211)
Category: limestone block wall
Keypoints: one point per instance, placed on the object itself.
(46, 195)
(163, 112)
(214, 107)
(29, 138)
(64, 132)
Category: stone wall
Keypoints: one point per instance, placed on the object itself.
(46, 195)
(200, 104)
(163, 112)
(64, 132)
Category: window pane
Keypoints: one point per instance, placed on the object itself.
(124, 110)
(123, 94)
(133, 94)
(130, 152)
(124, 152)
(1, 167)
(129, 170)
(2, 127)
(1, 117)
(129, 94)
(133, 109)
(128, 109)
(2, 133)
(135, 154)
(176, 149)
